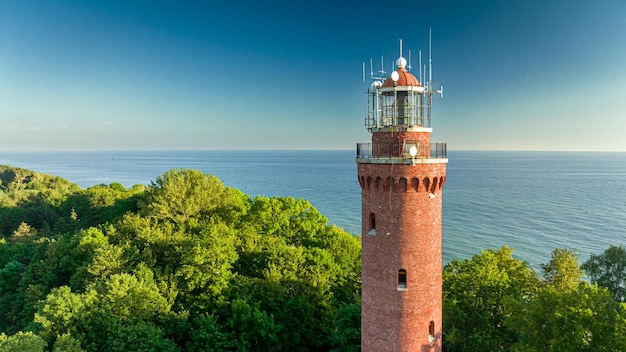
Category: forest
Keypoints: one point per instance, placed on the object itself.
(189, 264)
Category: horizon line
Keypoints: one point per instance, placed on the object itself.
(289, 149)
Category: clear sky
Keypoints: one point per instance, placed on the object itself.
(107, 74)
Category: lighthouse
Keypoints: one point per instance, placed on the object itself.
(401, 174)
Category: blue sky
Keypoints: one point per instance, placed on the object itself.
(110, 75)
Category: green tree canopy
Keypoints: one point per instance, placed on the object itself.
(181, 195)
(22, 342)
(563, 271)
(581, 319)
(478, 295)
(609, 270)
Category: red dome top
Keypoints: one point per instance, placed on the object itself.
(405, 78)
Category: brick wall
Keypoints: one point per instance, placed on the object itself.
(406, 203)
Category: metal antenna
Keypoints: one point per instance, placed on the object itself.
(430, 55)
(409, 66)
(382, 66)
(400, 47)
(371, 69)
(363, 71)
(420, 66)
(430, 62)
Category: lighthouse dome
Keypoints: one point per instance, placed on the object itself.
(405, 78)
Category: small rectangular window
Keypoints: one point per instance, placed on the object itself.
(401, 280)
(372, 230)
(431, 332)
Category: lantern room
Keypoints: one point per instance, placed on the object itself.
(398, 102)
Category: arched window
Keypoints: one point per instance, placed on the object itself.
(431, 332)
(379, 183)
(401, 280)
(372, 230)
(403, 184)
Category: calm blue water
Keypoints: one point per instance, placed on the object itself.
(531, 201)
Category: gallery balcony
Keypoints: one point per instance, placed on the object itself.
(406, 150)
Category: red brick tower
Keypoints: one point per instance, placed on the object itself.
(401, 174)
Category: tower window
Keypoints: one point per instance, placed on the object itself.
(431, 332)
(401, 280)
(372, 230)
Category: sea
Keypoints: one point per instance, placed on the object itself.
(533, 201)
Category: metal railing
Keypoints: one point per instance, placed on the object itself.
(384, 121)
(440, 150)
(387, 150)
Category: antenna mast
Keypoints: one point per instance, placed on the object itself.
(409, 67)
(430, 56)
(420, 67)
(430, 72)
(363, 71)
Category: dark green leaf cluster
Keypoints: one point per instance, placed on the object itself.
(185, 264)
(609, 270)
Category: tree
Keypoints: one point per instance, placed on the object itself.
(206, 335)
(31, 197)
(347, 336)
(300, 277)
(296, 221)
(133, 297)
(24, 233)
(185, 263)
(477, 298)
(119, 314)
(66, 343)
(98, 204)
(205, 262)
(11, 297)
(139, 336)
(180, 195)
(582, 319)
(195, 260)
(563, 271)
(251, 328)
(22, 342)
(63, 311)
(609, 270)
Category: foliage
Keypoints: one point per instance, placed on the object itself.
(52, 205)
(188, 264)
(66, 343)
(494, 302)
(347, 336)
(563, 271)
(567, 314)
(581, 319)
(22, 342)
(185, 264)
(609, 270)
(478, 295)
(182, 195)
(206, 335)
